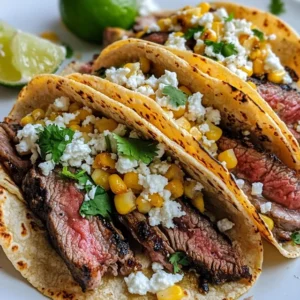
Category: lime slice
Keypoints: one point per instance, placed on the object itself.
(24, 55)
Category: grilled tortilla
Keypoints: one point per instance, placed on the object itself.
(25, 239)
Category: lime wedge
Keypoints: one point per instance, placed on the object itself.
(23, 55)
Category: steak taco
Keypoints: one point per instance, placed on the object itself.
(97, 203)
(216, 120)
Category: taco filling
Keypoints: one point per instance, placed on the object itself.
(84, 175)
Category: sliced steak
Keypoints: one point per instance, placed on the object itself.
(280, 183)
(156, 37)
(90, 248)
(150, 237)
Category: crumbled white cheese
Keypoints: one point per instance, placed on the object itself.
(97, 143)
(92, 192)
(224, 225)
(240, 183)
(203, 128)
(205, 20)
(147, 7)
(266, 207)
(137, 283)
(143, 169)
(152, 81)
(176, 42)
(221, 14)
(121, 130)
(125, 164)
(159, 167)
(272, 37)
(89, 120)
(169, 78)
(146, 90)
(153, 183)
(213, 115)
(62, 103)
(134, 134)
(86, 168)
(272, 62)
(47, 167)
(196, 111)
(160, 150)
(153, 28)
(257, 188)
(61, 121)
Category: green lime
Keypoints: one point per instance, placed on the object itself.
(23, 55)
(88, 18)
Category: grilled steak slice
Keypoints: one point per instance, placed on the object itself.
(212, 254)
(150, 237)
(90, 248)
(280, 184)
(156, 37)
(16, 166)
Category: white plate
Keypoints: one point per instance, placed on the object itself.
(280, 278)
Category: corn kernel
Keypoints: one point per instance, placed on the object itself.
(105, 124)
(183, 123)
(86, 137)
(139, 34)
(174, 292)
(38, 114)
(156, 200)
(164, 24)
(217, 27)
(252, 84)
(40, 122)
(131, 180)
(74, 122)
(143, 205)
(198, 202)
(131, 68)
(276, 77)
(89, 128)
(229, 157)
(199, 49)
(185, 90)
(145, 65)
(82, 114)
(258, 66)
(175, 186)
(75, 127)
(101, 177)
(189, 188)
(104, 161)
(178, 113)
(255, 54)
(27, 120)
(50, 35)
(174, 172)
(205, 7)
(243, 38)
(179, 33)
(125, 203)
(74, 107)
(117, 184)
(209, 35)
(53, 116)
(214, 132)
(248, 71)
(196, 133)
(269, 222)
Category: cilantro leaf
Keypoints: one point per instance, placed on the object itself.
(229, 18)
(69, 50)
(81, 177)
(136, 149)
(217, 47)
(259, 34)
(100, 205)
(108, 143)
(296, 237)
(221, 47)
(52, 140)
(100, 72)
(276, 7)
(191, 31)
(178, 258)
(177, 97)
(65, 172)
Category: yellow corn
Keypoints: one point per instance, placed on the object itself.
(74, 107)
(156, 200)
(53, 116)
(50, 35)
(258, 66)
(145, 65)
(269, 222)
(252, 84)
(248, 71)
(117, 184)
(41, 122)
(243, 38)
(185, 90)
(174, 292)
(125, 203)
(175, 186)
(210, 35)
(179, 33)
(198, 202)
(86, 137)
(143, 205)
(229, 157)
(164, 24)
(82, 114)
(276, 77)
(255, 54)
(101, 177)
(205, 7)
(74, 122)
(217, 27)
(89, 128)
(174, 172)
(196, 133)
(199, 49)
(75, 127)
(105, 124)
(38, 114)
(139, 34)
(178, 113)
(183, 123)
(104, 161)
(131, 180)
(27, 120)
(214, 132)
(189, 186)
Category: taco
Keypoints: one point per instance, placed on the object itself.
(248, 48)
(216, 120)
(79, 171)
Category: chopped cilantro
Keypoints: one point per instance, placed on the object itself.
(100, 205)
(228, 50)
(276, 7)
(177, 97)
(191, 31)
(69, 50)
(108, 143)
(224, 48)
(229, 18)
(142, 150)
(53, 140)
(178, 258)
(296, 237)
(100, 72)
(259, 34)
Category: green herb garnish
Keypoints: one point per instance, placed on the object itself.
(296, 237)
(229, 18)
(100, 72)
(100, 205)
(178, 258)
(259, 34)
(191, 31)
(108, 143)
(177, 97)
(276, 7)
(69, 51)
(137, 149)
(54, 140)
(221, 47)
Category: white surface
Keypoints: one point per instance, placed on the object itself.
(280, 278)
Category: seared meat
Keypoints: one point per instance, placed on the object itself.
(145, 21)
(157, 37)
(90, 248)
(280, 183)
